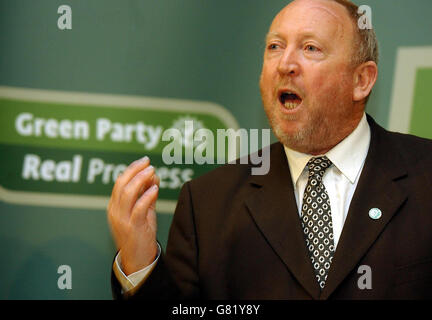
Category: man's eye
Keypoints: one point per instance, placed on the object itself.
(311, 48)
(273, 46)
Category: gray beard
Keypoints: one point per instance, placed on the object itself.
(307, 139)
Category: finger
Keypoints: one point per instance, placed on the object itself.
(151, 218)
(153, 180)
(156, 180)
(144, 203)
(139, 184)
(117, 211)
(129, 173)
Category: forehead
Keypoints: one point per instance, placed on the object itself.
(324, 19)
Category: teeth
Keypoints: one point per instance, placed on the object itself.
(290, 100)
(290, 105)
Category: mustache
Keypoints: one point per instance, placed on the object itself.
(290, 86)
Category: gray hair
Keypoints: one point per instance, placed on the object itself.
(366, 46)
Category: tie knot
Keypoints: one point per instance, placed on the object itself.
(318, 165)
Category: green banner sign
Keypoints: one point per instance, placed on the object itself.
(66, 149)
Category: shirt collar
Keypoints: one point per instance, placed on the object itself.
(348, 156)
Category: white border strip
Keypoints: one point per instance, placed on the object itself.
(408, 60)
(69, 200)
(115, 101)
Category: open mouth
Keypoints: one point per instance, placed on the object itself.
(289, 99)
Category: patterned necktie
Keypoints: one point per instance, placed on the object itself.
(317, 220)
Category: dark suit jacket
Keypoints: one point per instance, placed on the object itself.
(238, 236)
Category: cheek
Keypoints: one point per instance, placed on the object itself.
(326, 85)
(266, 84)
(268, 73)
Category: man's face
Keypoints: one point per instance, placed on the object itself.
(307, 76)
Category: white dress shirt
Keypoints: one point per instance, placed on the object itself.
(128, 283)
(340, 181)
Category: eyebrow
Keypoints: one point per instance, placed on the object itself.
(272, 34)
(306, 34)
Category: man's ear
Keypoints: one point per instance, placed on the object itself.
(365, 76)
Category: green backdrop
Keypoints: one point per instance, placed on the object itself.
(187, 52)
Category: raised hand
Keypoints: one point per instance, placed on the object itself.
(132, 216)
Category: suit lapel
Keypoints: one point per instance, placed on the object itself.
(273, 207)
(377, 188)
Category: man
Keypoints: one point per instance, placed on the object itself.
(344, 212)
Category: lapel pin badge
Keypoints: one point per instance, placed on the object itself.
(375, 213)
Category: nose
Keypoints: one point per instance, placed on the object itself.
(288, 63)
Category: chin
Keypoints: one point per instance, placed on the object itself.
(287, 129)
(295, 139)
